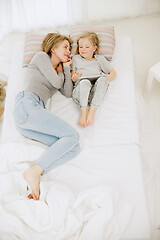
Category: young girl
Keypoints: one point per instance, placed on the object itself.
(91, 73)
(47, 72)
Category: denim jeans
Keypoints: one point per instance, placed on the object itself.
(86, 93)
(35, 122)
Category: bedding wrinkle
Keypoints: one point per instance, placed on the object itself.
(99, 194)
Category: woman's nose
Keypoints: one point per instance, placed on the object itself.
(69, 51)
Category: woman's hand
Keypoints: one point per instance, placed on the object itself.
(75, 76)
(68, 63)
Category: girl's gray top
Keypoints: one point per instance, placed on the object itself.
(42, 79)
(91, 69)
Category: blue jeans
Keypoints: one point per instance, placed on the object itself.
(35, 122)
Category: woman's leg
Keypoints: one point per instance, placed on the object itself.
(41, 125)
(39, 137)
(80, 96)
(49, 140)
(49, 129)
(97, 94)
(65, 146)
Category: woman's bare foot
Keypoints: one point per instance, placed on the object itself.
(91, 114)
(83, 117)
(32, 176)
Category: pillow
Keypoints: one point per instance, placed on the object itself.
(32, 45)
(106, 37)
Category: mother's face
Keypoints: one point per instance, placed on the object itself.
(62, 52)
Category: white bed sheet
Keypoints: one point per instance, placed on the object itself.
(109, 162)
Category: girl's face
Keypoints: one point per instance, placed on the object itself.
(86, 48)
(62, 52)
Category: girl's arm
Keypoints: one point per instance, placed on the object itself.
(75, 75)
(106, 67)
(111, 75)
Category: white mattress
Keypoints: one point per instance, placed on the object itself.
(109, 162)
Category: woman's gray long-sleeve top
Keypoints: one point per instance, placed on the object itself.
(42, 79)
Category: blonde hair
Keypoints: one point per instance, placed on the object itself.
(52, 40)
(92, 37)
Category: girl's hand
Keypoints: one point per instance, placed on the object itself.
(111, 76)
(68, 63)
(75, 76)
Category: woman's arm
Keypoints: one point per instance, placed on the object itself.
(43, 62)
(67, 87)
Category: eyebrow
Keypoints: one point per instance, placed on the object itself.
(85, 45)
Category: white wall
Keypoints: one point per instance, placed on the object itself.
(24, 15)
(115, 9)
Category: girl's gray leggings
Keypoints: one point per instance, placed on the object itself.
(86, 94)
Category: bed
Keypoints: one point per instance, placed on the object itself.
(97, 195)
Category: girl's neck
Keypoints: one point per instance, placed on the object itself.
(90, 59)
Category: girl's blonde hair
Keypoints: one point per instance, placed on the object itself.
(93, 38)
(52, 40)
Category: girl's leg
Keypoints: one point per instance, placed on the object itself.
(80, 96)
(83, 117)
(97, 94)
(91, 115)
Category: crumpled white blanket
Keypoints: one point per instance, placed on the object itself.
(95, 213)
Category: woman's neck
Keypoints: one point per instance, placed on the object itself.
(54, 61)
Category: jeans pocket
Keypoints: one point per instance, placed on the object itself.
(20, 114)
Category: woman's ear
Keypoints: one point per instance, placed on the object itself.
(52, 50)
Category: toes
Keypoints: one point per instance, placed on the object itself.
(30, 196)
(35, 196)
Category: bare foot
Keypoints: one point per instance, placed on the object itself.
(32, 176)
(91, 114)
(83, 117)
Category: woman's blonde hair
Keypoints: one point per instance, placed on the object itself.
(93, 38)
(52, 40)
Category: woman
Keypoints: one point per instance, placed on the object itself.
(48, 71)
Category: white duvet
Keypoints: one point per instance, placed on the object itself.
(98, 195)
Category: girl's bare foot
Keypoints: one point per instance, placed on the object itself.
(32, 176)
(83, 117)
(91, 114)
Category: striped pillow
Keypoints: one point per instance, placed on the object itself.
(32, 45)
(106, 37)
